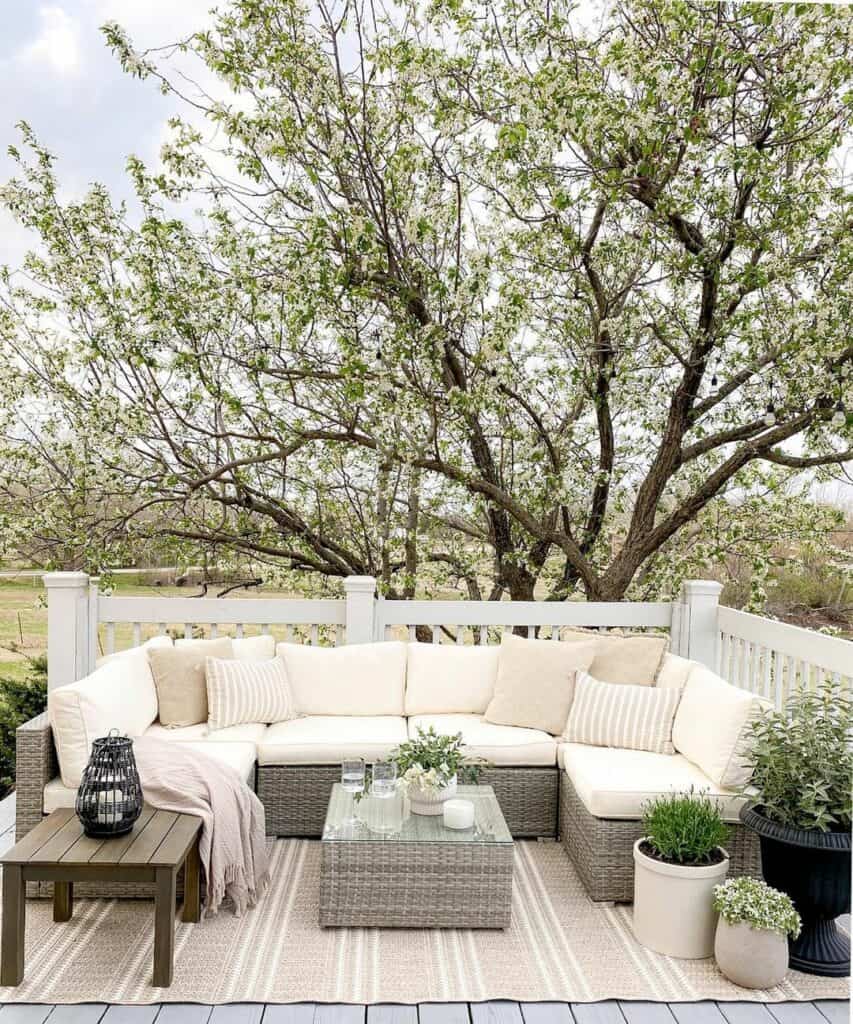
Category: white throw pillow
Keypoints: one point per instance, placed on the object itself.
(535, 682)
(247, 691)
(711, 727)
(246, 648)
(120, 694)
(356, 679)
(447, 679)
(616, 715)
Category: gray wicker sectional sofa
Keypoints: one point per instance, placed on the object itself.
(591, 797)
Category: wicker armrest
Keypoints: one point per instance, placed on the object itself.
(35, 766)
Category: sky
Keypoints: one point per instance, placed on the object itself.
(57, 74)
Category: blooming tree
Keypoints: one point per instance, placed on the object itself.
(475, 290)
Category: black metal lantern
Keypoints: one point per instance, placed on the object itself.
(109, 799)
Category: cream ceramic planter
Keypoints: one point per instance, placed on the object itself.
(750, 957)
(431, 803)
(673, 905)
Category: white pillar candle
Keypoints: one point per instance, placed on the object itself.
(458, 814)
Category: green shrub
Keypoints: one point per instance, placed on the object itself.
(684, 828)
(802, 761)
(20, 700)
(753, 902)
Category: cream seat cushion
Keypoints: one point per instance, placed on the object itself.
(616, 783)
(356, 679)
(712, 726)
(501, 745)
(120, 694)
(240, 756)
(328, 739)
(246, 732)
(444, 679)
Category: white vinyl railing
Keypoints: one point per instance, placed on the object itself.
(767, 657)
(775, 659)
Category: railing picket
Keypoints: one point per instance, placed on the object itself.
(239, 630)
(214, 630)
(137, 634)
(484, 635)
(766, 689)
(111, 638)
(265, 629)
(315, 635)
(162, 628)
(436, 634)
(413, 634)
(531, 631)
(460, 634)
(188, 631)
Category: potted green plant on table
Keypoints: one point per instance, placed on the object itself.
(751, 944)
(430, 765)
(677, 863)
(800, 806)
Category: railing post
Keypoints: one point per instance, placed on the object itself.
(700, 600)
(361, 609)
(69, 641)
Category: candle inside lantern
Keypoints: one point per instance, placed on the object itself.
(458, 814)
(109, 806)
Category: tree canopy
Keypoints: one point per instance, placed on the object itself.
(492, 292)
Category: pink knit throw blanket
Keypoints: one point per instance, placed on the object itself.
(233, 842)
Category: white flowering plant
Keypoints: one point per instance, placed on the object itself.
(432, 760)
(753, 902)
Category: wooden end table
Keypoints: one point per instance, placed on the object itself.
(57, 851)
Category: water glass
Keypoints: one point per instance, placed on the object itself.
(352, 781)
(384, 779)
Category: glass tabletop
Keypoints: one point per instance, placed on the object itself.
(388, 820)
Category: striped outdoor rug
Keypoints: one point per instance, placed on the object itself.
(559, 947)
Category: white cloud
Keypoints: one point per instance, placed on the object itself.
(57, 45)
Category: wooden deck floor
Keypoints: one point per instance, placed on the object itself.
(828, 1012)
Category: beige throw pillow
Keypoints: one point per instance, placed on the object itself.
(632, 659)
(615, 715)
(179, 678)
(535, 682)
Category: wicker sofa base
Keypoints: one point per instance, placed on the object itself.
(296, 797)
(602, 849)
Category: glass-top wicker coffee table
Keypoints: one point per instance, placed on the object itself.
(422, 876)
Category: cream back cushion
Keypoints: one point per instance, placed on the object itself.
(616, 715)
(120, 694)
(712, 727)
(633, 659)
(356, 679)
(247, 691)
(245, 648)
(535, 682)
(448, 679)
(179, 677)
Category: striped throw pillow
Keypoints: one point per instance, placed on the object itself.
(615, 715)
(247, 691)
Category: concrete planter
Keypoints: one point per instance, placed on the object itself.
(750, 957)
(673, 905)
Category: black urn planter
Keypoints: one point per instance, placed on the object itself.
(813, 868)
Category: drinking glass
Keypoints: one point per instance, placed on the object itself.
(384, 779)
(352, 781)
